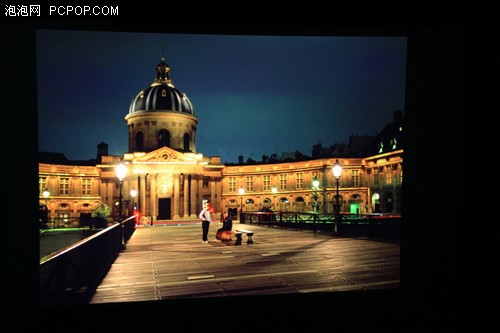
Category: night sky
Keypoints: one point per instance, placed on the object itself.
(253, 95)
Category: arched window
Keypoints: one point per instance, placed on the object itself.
(139, 141)
(284, 204)
(249, 205)
(186, 142)
(163, 138)
(300, 204)
(267, 203)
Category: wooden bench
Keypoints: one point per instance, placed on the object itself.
(239, 232)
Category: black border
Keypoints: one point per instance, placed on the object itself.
(447, 60)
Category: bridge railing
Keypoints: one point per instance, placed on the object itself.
(71, 275)
(373, 225)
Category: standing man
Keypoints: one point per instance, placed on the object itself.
(206, 218)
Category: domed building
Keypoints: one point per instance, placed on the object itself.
(171, 179)
(161, 116)
(167, 179)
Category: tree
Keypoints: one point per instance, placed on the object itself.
(100, 214)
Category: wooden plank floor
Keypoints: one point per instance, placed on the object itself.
(171, 262)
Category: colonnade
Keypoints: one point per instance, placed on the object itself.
(185, 191)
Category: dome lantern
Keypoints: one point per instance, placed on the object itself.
(162, 71)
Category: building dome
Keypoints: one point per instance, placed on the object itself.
(161, 116)
(161, 96)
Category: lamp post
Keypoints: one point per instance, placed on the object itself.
(337, 172)
(46, 195)
(133, 193)
(275, 190)
(315, 192)
(121, 172)
(242, 191)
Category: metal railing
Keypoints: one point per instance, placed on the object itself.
(71, 275)
(70, 222)
(374, 225)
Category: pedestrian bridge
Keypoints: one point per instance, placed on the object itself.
(170, 262)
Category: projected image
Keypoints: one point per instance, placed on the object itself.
(295, 142)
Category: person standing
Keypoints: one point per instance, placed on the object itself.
(206, 218)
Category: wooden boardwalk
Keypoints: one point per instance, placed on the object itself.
(171, 263)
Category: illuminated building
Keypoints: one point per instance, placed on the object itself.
(173, 180)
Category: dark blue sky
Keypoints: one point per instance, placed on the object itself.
(253, 95)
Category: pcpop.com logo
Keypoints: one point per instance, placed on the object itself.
(83, 10)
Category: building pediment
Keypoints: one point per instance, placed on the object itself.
(168, 156)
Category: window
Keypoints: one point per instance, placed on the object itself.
(299, 180)
(282, 182)
(139, 141)
(63, 217)
(64, 186)
(394, 143)
(86, 186)
(267, 203)
(266, 182)
(232, 184)
(186, 142)
(388, 174)
(355, 177)
(42, 184)
(375, 176)
(249, 183)
(300, 204)
(163, 138)
(250, 205)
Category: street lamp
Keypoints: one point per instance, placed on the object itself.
(315, 192)
(133, 193)
(46, 195)
(121, 172)
(275, 190)
(337, 172)
(242, 191)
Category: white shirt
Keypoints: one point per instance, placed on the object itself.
(205, 215)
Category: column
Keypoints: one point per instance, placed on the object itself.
(199, 181)
(194, 196)
(212, 193)
(218, 191)
(185, 184)
(142, 205)
(176, 197)
(153, 211)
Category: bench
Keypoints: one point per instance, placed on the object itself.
(239, 232)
